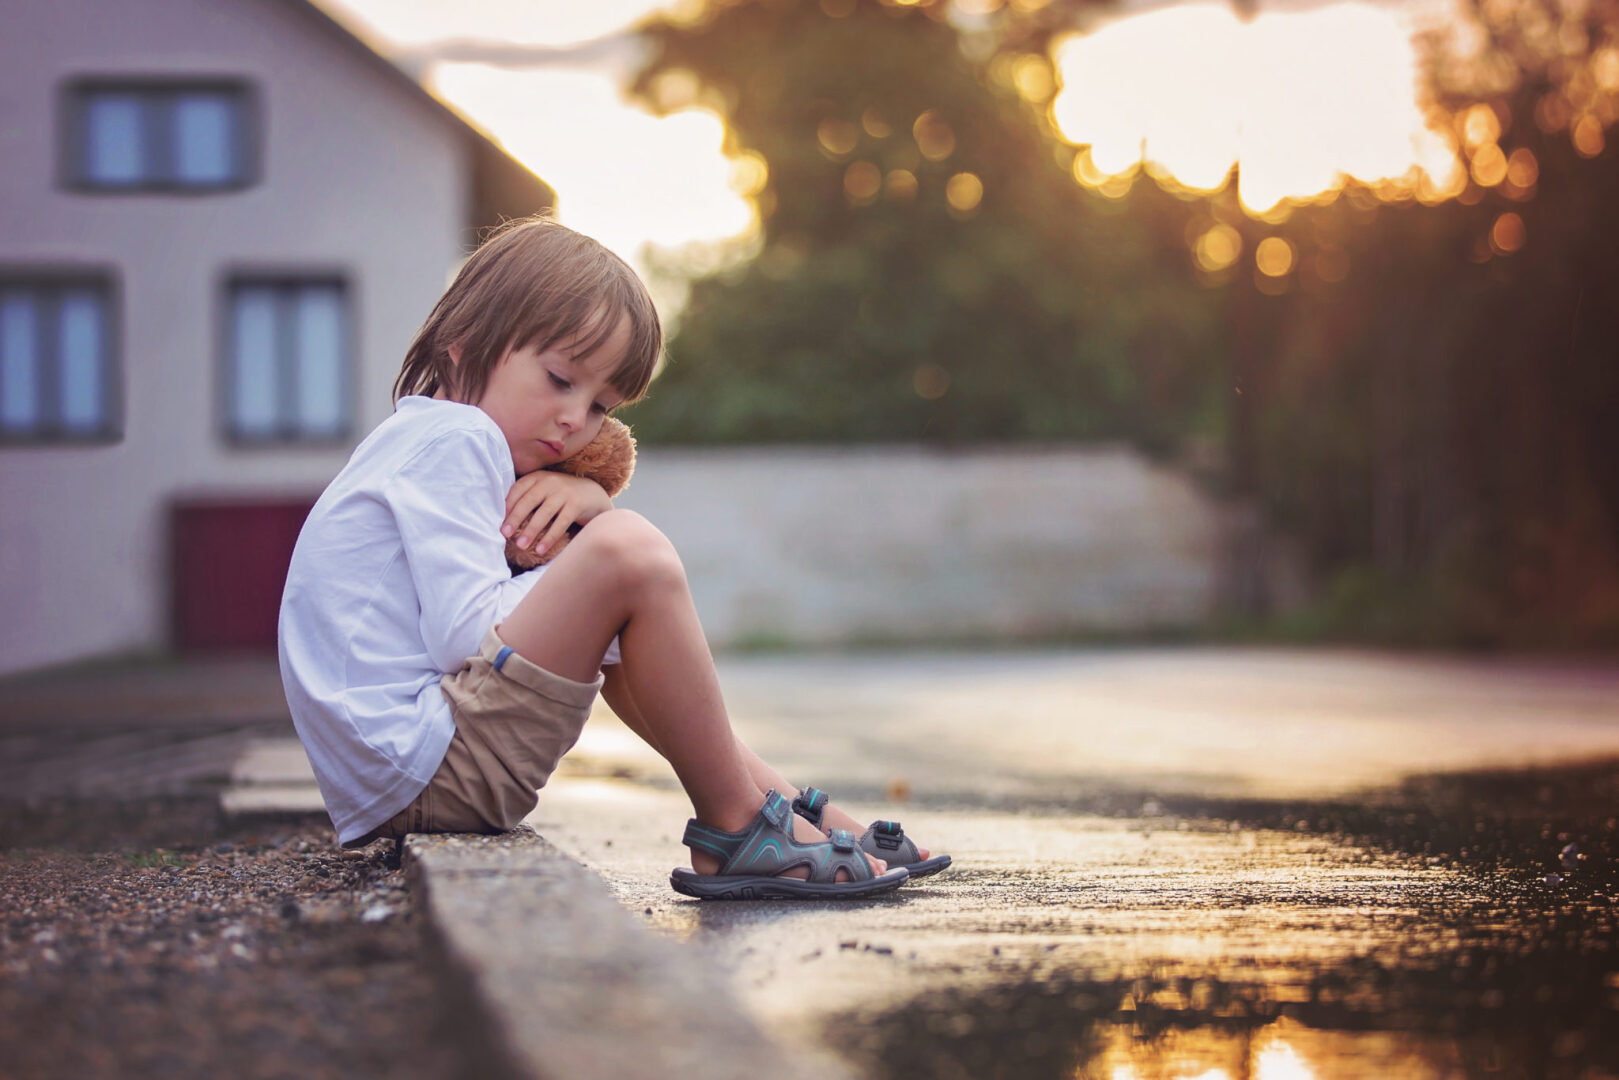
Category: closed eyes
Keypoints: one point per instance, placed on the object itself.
(564, 385)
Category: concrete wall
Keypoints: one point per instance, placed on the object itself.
(358, 177)
(827, 546)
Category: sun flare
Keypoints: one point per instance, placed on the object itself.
(1299, 100)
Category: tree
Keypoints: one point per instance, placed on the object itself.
(928, 269)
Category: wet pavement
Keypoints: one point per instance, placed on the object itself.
(1169, 864)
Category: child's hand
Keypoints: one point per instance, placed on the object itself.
(556, 501)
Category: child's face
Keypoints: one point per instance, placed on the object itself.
(550, 404)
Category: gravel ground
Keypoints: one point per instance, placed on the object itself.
(157, 939)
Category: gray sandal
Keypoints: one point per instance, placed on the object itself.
(885, 840)
(753, 860)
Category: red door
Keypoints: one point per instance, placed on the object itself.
(230, 560)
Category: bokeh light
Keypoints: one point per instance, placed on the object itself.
(1479, 125)
(1273, 256)
(1217, 248)
(1489, 165)
(837, 137)
(934, 138)
(964, 191)
(861, 182)
(1508, 234)
(1587, 135)
(875, 125)
(1522, 168)
(749, 174)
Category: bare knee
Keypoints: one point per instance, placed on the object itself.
(631, 549)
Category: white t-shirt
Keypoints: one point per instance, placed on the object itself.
(398, 573)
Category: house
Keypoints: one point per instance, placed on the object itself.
(220, 223)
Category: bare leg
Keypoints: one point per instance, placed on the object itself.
(617, 692)
(621, 576)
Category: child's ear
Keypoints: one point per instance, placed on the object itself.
(455, 354)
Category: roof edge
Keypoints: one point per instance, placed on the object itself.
(502, 187)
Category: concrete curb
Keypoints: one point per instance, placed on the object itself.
(561, 983)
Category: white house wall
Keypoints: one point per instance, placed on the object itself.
(358, 176)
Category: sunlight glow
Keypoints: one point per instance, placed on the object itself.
(622, 175)
(409, 23)
(1280, 1061)
(1300, 100)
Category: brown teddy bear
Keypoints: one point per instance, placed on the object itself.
(608, 459)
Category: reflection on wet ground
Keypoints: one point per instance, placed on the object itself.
(1549, 1016)
(1508, 969)
(1456, 926)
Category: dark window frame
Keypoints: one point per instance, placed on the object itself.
(288, 434)
(56, 279)
(154, 92)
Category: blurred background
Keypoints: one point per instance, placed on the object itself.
(1011, 320)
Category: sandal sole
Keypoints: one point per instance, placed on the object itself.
(745, 887)
(927, 867)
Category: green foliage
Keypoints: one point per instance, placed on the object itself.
(1041, 313)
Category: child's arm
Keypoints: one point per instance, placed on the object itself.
(447, 503)
(553, 497)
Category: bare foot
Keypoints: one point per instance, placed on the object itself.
(804, 833)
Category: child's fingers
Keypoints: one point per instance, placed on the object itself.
(520, 507)
(543, 513)
(559, 528)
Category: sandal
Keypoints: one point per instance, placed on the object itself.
(753, 860)
(885, 840)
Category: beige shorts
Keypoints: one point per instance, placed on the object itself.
(513, 722)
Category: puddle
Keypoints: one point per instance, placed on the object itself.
(1507, 968)
(1551, 1016)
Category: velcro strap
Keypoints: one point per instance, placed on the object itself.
(892, 828)
(776, 810)
(842, 840)
(810, 802)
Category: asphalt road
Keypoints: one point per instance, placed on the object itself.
(1169, 863)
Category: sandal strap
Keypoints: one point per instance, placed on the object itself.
(767, 847)
(705, 838)
(844, 854)
(725, 845)
(810, 803)
(887, 841)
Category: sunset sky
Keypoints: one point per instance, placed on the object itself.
(1302, 93)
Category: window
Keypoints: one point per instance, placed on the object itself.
(151, 136)
(57, 373)
(288, 360)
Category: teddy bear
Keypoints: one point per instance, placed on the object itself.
(608, 459)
